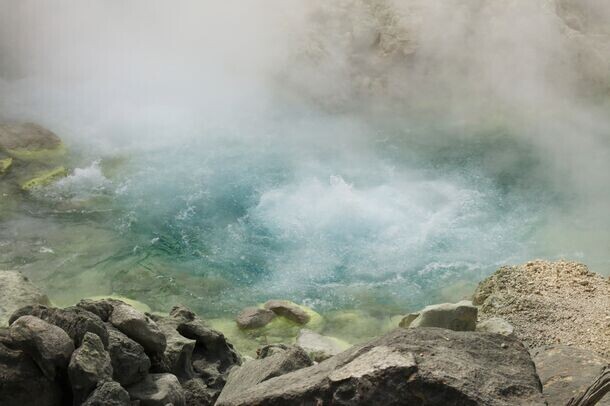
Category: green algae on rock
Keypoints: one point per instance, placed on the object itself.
(44, 178)
(5, 164)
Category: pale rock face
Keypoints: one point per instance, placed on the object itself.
(17, 291)
(253, 317)
(496, 325)
(461, 316)
(139, 327)
(320, 347)
(90, 365)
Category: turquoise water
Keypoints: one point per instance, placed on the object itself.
(384, 222)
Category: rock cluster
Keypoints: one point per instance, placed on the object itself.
(108, 353)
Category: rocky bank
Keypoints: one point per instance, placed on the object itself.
(106, 352)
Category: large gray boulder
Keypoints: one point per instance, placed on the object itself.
(428, 366)
(273, 361)
(48, 345)
(158, 390)
(461, 316)
(90, 365)
(108, 394)
(253, 317)
(73, 320)
(130, 364)
(17, 292)
(289, 310)
(566, 371)
(139, 327)
(22, 383)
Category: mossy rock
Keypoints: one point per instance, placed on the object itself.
(357, 326)
(5, 164)
(28, 141)
(44, 178)
(281, 329)
(40, 155)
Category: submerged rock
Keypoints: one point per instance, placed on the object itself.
(253, 317)
(90, 365)
(288, 309)
(320, 347)
(158, 390)
(48, 345)
(73, 320)
(277, 361)
(461, 316)
(17, 292)
(407, 366)
(139, 327)
(566, 371)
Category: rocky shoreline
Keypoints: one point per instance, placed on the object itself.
(492, 352)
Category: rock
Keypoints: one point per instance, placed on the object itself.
(253, 317)
(545, 301)
(108, 394)
(273, 363)
(17, 292)
(196, 393)
(48, 345)
(158, 390)
(130, 364)
(320, 347)
(73, 320)
(5, 164)
(101, 308)
(16, 137)
(461, 316)
(288, 309)
(211, 346)
(407, 320)
(407, 366)
(22, 383)
(496, 325)
(139, 327)
(565, 371)
(43, 178)
(178, 355)
(89, 366)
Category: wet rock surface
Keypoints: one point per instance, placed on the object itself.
(253, 317)
(288, 309)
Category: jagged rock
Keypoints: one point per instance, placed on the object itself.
(17, 292)
(158, 390)
(565, 371)
(178, 355)
(101, 308)
(288, 309)
(108, 394)
(73, 320)
(22, 383)
(253, 317)
(271, 349)
(496, 325)
(196, 393)
(212, 346)
(89, 366)
(130, 364)
(407, 366)
(139, 327)
(320, 347)
(461, 316)
(48, 345)
(274, 363)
